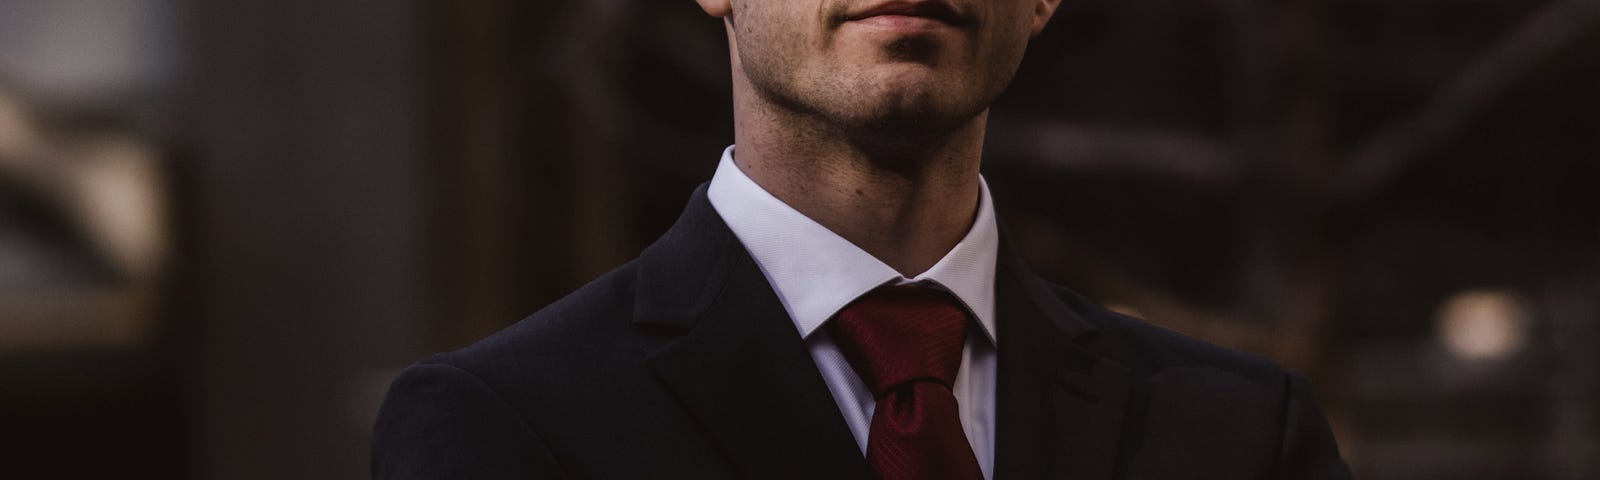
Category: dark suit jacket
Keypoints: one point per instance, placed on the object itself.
(683, 364)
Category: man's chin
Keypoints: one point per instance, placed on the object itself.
(901, 125)
(911, 106)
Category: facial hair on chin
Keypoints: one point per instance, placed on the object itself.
(853, 103)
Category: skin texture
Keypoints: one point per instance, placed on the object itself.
(873, 125)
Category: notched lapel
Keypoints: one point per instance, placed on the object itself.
(1090, 416)
(1061, 404)
(745, 374)
(740, 368)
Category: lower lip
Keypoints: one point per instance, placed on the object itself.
(902, 22)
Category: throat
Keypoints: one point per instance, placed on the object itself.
(908, 218)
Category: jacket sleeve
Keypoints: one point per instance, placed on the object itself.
(1309, 451)
(441, 422)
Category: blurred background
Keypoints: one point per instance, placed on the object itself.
(225, 226)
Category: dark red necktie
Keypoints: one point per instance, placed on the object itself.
(905, 344)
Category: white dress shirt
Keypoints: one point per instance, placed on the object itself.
(815, 273)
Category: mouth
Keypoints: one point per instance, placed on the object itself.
(910, 13)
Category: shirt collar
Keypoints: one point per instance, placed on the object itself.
(815, 272)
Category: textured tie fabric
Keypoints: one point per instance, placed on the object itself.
(905, 343)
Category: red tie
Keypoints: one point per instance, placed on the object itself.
(905, 344)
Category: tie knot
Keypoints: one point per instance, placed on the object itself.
(898, 334)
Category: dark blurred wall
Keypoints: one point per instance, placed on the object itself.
(309, 209)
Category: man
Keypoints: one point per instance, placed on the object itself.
(840, 302)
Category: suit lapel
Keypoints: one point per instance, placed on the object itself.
(741, 370)
(1060, 404)
(739, 367)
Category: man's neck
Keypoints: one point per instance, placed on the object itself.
(908, 207)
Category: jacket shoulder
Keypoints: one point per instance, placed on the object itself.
(1148, 347)
(590, 324)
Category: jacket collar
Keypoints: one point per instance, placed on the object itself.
(741, 369)
(1059, 400)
